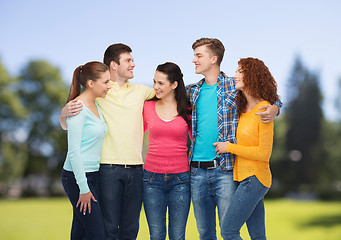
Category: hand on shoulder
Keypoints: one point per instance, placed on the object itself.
(72, 108)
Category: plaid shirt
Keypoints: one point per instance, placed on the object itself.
(227, 114)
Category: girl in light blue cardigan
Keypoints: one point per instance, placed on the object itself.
(86, 132)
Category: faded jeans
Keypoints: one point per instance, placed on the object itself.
(166, 190)
(247, 206)
(211, 189)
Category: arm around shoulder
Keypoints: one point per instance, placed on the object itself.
(149, 92)
(271, 111)
(72, 108)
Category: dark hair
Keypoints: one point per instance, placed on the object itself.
(89, 71)
(258, 82)
(213, 44)
(174, 74)
(113, 53)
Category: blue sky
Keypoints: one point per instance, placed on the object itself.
(70, 33)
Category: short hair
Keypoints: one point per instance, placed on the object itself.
(113, 53)
(214, 45)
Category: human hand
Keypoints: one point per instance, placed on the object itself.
(269, 114)
(85, 202)
(220, 147)
(72, 108)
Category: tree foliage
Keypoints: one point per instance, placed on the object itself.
(304, 117)
(12, 111)
(306, 154)
(338, 101)
(32, 141)
(42, 91)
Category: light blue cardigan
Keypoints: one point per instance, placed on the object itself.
(85, 137)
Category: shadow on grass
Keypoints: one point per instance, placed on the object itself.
(323, 221)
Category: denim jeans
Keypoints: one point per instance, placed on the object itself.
(90, 225)
(247, 205)
(211, 189)
(166, 190)
(121, 200)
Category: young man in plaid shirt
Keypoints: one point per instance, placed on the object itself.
(214, 119)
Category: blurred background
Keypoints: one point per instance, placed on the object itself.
(42, 42)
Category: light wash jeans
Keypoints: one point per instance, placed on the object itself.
(247, 205)
(166, 190)
(211, 189)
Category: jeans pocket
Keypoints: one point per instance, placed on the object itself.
(183, 177)
(193, 171)
(147, 177)
(108, 170)
(225, 170)
(247, 182)
(65, 184)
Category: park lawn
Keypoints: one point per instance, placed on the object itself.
(285, 219)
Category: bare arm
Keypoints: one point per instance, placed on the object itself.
(72, 108)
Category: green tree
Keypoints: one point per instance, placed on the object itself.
(338, 102)
(304, 118)
(12, 146)
(42, 91)
(331, 181)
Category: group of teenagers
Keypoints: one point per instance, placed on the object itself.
(229, 121)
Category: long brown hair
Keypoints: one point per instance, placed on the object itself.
(89, 71)
(258, 82)
(174, 74)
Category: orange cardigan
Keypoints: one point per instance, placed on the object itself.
(253, 148)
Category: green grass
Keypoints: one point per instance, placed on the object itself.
(285, 219)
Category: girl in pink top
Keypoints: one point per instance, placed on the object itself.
(166, 170)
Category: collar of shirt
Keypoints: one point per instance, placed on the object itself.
(116, 86)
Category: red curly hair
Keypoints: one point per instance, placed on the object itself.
(258, 82)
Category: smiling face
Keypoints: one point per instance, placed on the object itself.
(162, 86)
(126, 66)
(101, 86)
(203, 60)
(238, 79)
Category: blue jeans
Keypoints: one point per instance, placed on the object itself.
(247, 205)
(90, 225)
(162, 190)
(121, 200)
(211, 189)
